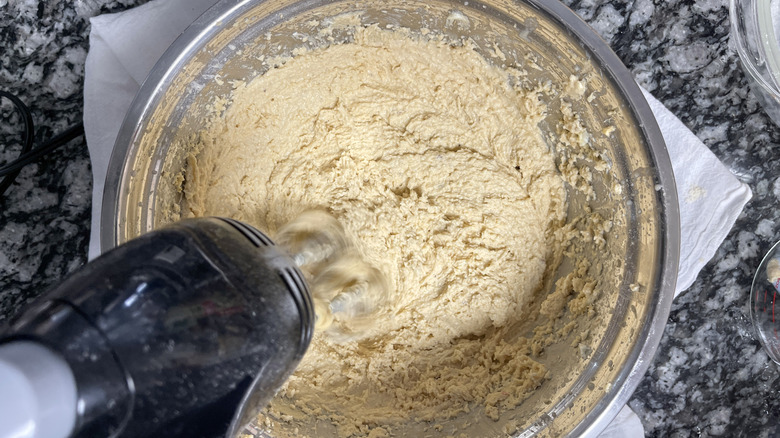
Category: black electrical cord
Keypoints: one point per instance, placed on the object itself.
(10, 171)
(27, 137)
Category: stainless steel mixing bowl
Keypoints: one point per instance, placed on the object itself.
(592, 376)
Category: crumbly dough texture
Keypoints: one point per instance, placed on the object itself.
(433, 162)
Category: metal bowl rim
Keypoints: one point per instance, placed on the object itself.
(641, 354)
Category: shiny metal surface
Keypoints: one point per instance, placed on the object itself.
(639, 263)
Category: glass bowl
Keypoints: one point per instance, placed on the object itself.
(754, 29)
(764, 300)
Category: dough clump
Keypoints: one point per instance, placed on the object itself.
(433, 162)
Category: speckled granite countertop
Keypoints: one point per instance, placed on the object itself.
(710, 376)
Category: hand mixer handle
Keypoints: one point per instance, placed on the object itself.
(185, 331)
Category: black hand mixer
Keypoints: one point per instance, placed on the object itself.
(186, 331)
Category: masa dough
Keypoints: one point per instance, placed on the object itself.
(433, 162)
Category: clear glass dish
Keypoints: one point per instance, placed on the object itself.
(763, 301)
(754, 31)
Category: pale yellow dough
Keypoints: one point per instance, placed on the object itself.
(435, 165)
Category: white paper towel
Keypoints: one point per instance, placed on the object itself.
(711, 197)
(125, 46)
